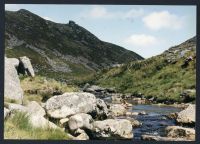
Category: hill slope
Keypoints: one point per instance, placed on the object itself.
(60, 50)
(170, 76)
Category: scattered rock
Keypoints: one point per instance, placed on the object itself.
(159, 138)
(116, 98)
(182, 105)
(98, 91)
(93, 89)
(180, 132)
(25, 66)
(71, 103)
(136, 113)
(12, 87)
(117, 110)
(142, 113)
(139, 100)
(186, 62)
(172, 115)
(135, 123)
(112, 129)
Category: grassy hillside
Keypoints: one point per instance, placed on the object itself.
(62, 51)
(163, 77)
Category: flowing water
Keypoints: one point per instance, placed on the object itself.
(155, 121)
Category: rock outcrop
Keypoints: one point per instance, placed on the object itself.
(25, 66)
(101, 110)
(180, 132)
(14, 61)
(12, 87)
(112, 129)
(117, 110)
(82, 121)
(35, 109)
(159, 138)
(69, 104)
(187, 116)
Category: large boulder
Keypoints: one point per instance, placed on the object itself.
(35, 109)
(180, 132)
(34, 112)
(14, 61)
(36, 117)
(12, 87)
(112, 129)
(25, 66)
(68, 104)
(117, 110)
(82, 121)
(187, 116)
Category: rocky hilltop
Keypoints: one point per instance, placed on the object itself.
(61, 48)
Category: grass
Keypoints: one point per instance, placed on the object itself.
(8, 100)
(41, 88)
(153, 77)
(18, 127)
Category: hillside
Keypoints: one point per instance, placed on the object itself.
(60, 50)
(169, 77)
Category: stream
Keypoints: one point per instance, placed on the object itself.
(155, 121)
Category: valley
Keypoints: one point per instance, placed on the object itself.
(82, 88)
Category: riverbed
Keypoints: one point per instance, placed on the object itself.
(155, 120)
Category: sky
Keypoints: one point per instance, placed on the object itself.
(146, 30)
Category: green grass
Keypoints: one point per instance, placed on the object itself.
(41, 88)
(8, 100)
(153, 77)
(18, 127)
